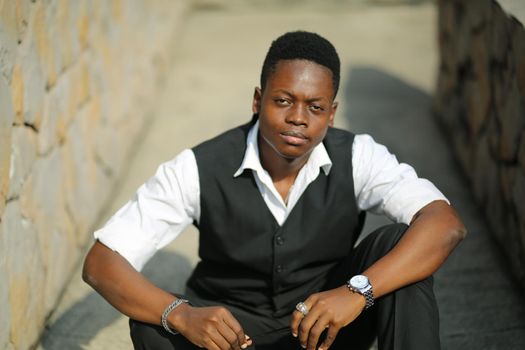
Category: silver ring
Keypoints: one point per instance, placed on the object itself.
(302, 308)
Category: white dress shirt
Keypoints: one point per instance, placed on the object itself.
(170, 200)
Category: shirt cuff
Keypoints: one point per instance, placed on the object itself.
(136, 246)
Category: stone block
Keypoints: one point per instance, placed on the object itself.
(44, 49)
(501, 80)
(463, 37)
(452, 110)
(83, 31)
(494, 135)
(507, 178)
(512, 120)
(8, 42)
(499, 33)
(65, 46)
(446, 81)
(519, 195)
(518, 50)
(512, 246)
(5, 315)
(61, 97)
(34, 86)
(446, 22)
(6, 120)
(479, 93)
(108, 150)
(80, 173)
(41, 199)
(495, 209)
(47, 138)
(23, 156)
(17, 93)
(26, 276)
(521, 152)
(479, 15)
(83, 83)
(521, 213)
(483, 170)
(22, 11)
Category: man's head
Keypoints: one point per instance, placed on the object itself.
(295, 103)
(302, 45)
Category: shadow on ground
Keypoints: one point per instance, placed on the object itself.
(82, 321)
(481, 305)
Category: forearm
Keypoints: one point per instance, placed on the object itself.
(433, 234)
(122, 286)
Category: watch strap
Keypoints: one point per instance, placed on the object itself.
(367, 292)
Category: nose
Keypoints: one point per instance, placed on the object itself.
(297, 116)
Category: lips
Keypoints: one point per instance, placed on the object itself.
(294, 138)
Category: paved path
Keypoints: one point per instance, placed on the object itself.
(389, 60)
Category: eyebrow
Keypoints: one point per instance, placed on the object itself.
(313, 99)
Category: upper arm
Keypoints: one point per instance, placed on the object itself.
(385, 186)
(160, 209)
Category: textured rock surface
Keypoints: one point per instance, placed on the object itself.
(480, 100)
(78, 82)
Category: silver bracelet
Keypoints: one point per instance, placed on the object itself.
(170, 308)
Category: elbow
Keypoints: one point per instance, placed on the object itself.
(462, 233)
(87, 275)
(457, 234)
(89, 269)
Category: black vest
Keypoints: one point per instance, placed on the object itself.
(247, 259)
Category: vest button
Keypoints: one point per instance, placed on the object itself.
(279, 240)
(279, 268)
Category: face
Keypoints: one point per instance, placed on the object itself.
(295, 109)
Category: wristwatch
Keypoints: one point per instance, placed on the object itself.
(360, 284)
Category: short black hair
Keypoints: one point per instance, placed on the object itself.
(302, 45)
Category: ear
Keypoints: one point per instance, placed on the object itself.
(256, 103)
(332, 114)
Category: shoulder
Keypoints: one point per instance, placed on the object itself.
(336, 137)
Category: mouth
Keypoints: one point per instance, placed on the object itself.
(294, 138)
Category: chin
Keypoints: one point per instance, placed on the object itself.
(292, 154)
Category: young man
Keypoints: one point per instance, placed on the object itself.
(278, 203)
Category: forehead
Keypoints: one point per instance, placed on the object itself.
(302, 75)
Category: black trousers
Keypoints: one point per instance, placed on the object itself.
(405, 319)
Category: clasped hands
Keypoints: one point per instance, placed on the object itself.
(216, 328)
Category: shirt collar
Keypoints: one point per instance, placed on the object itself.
(318, 158)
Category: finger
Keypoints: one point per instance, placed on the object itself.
(220, 341)
(315, 332)
(236, 328)
(249, 341)
(210, 345)
(304, 328)
(330, 337)
(229, 335)
(296, 320)
(298, 316)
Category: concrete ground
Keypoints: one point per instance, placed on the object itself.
(389, 60)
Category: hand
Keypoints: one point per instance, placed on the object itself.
(332, 309)
(210, 327)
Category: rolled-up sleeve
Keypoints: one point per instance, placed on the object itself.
(158, 212)
(385, 186)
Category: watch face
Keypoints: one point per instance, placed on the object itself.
(359, 281)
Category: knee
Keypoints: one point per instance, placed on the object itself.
(142, 334)
(386, 237)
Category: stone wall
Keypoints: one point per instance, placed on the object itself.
(480, 101)
(78, 81)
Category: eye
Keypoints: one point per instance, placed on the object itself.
(282, 102)
(316, 108)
